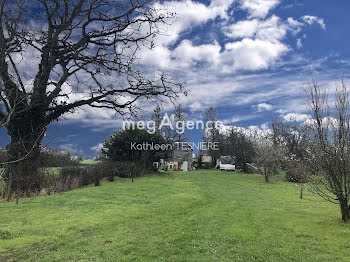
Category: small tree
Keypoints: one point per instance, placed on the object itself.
(180, 121)
(156, 117)
(330, 149)
(212, 134)
(268, 157)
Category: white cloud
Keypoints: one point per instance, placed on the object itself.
(258, 8)
(296, 117)
(294, 24)
(272, 29)
(97, 148)
(186, 53)
(238, 118)
(249, 54)
(196, 106)
(261, 45)
(314, 19)
(160, 56)
(263, 106)
(220, 7)
(299, 43)
(242, 29)
(188, 14)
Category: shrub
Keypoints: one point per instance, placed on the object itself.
(111, 169)
(53, 158)
(68, 178)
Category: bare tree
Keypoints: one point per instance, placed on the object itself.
(180, 121)
(89, 45)
(212, 134)
(330, 151)
(293, 141)
(268, 156)
(157, 118)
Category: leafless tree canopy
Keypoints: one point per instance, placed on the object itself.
(89, 46)
(268, 156)
(89, 43)
(330, 148)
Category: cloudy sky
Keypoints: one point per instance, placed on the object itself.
(250, 59)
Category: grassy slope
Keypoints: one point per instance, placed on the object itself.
(194, 216)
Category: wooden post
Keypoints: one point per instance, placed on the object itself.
(9, 186)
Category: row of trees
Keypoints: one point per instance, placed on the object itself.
(178, 117)
(232, 141)
(315, 153)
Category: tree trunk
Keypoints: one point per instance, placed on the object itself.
(26, 131)
(23, 158)
(301, 190)
(266, 178)
(266, 175)
(345, 210)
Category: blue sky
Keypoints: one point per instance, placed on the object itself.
(250, 59)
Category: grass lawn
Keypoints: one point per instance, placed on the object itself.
(88, 162)
(194, 216)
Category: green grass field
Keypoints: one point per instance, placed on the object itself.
(194, 216)
(88, 162)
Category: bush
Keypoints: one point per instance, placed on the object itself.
(49, 157)
(206, 165)
(53, 158)
(111, 169)
(68, 178)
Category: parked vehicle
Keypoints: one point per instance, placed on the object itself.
(227, 163)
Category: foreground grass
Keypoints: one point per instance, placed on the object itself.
(194, 216)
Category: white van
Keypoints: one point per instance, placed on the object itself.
(227, 163)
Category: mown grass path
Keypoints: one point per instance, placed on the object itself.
(194, 216)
